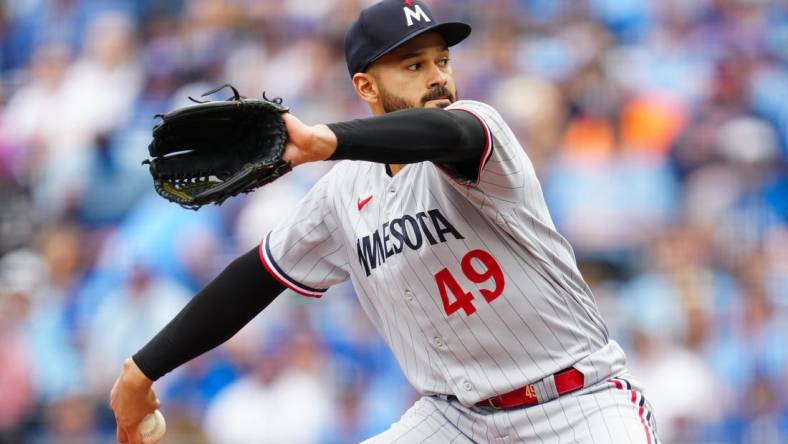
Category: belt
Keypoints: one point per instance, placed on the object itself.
(566, 381)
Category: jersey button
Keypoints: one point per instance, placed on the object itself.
(408, 295)
(438, 341)
(467, 386)
(392, 190)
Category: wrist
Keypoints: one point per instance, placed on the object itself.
(133, 376)
(324, 142)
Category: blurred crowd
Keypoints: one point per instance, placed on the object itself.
(659, 130)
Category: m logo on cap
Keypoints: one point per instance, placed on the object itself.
(417, 13)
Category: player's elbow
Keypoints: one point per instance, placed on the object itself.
(468, 133)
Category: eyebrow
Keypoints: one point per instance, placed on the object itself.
(418, 53)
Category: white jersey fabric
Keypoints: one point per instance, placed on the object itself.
(470, 284)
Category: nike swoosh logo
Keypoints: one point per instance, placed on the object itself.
(362, 202)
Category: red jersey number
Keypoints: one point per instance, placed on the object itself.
(479, 267)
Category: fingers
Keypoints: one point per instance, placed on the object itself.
(121, 435)
(153, 400)
(293, 155)
(129, 435)
(291, 123)
(297, 131)
(293, 152)
(134, 434)
(291, 120)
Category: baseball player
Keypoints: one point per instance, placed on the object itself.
(436, 216)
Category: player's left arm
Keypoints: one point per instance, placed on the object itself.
(454, 139)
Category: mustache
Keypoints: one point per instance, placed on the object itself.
(437, 93)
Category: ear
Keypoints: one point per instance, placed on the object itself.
(366, 87)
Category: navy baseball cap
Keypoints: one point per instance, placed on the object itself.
(390, 23)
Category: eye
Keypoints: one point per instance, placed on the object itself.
(413, 67)
(443, 62)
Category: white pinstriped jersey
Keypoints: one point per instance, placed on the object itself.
(470, 284)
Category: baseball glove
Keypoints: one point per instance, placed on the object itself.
(212, 150)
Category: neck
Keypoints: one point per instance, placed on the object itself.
(395, 168)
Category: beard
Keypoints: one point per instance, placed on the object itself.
(392, 102)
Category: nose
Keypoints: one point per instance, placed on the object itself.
(437, 78)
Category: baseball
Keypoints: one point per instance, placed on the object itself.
(152, 428)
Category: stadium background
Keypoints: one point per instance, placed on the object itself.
(659, 130)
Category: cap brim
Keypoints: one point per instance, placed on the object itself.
(452, 33)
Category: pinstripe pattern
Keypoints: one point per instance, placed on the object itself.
(423, 222)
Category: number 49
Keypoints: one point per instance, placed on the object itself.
(462, 299)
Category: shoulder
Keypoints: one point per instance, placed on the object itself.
(338, 171)
(342, 177)
(345, 170)
(346, 166)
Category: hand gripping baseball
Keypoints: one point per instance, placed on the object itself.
(212, 150)
(131, 399)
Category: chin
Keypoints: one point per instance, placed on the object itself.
(438, 103)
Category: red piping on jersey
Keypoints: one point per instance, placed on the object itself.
(641, 408)
(281, 279)
(486, 153)
(642, 419)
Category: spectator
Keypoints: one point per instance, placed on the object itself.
(267, 406)
(128, 317)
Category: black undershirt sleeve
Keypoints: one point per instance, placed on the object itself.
(213, 316)
(450, 138)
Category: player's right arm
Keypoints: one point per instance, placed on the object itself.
(302, 253)
(214, 315)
